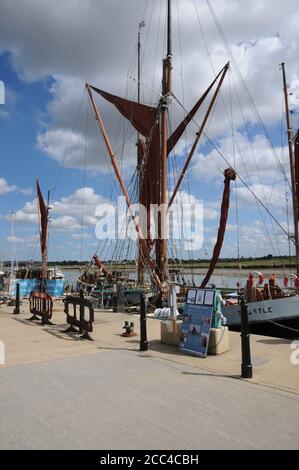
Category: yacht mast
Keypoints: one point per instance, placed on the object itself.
(292, 167)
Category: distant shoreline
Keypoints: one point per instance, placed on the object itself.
(245, 265)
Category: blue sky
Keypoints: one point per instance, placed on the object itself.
(44, 70)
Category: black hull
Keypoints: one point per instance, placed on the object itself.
(274, 330)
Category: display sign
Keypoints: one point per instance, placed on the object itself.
(197, 318)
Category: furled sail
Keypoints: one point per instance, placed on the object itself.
(229, 175)
(43, 226)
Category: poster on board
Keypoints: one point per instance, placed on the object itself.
(197, 318)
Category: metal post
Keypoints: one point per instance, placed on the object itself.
(173, 302)
(143, 332)
(114, 298)
(246, 367)
(81, 309)
(17, 307)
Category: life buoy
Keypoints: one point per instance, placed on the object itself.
(296, 280)
(261, 277)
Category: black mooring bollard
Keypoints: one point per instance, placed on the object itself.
(246, 367)
(114, 298)
(17, 307)
(143, 333)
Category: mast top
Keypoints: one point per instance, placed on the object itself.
(167, 62)
(169, 29)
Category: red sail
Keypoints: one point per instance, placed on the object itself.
(296, 140)
(142, 117)
(230, 175)
(43, 223)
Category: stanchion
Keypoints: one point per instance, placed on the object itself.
(17, 307)
(143, 332)
(246, 367)
(114, 298)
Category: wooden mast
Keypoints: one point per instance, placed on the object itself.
(116, 168)
(292, 167)
(166, 90)
(140, 263)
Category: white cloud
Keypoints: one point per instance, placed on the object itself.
(14, 239)
(68, 214)
(77, 42)
(269, 195)
(81, 236)
(253, 159)
(5, 188)
(294, 97)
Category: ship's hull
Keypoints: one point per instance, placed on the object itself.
(276, 317)
(55, 287)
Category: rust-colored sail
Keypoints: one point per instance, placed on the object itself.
(230, 175)
(146, 120)
(141, 116)
(43, 228)
(174, 138)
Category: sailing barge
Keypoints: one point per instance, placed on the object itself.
(155, 145)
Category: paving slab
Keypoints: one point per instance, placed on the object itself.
(28, 342)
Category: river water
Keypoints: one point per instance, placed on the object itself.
(223, 278)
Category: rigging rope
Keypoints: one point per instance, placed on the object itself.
(238, 175)
(84, 181)
(68, 144)
(239, 150)
(244, 85)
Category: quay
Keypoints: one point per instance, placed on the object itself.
(61, 392)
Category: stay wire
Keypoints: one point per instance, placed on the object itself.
(240, 178)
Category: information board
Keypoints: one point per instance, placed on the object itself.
(197, 318)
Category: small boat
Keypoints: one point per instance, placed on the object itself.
(30, 278)
(39, 278)
(102, 284)
(272, 311)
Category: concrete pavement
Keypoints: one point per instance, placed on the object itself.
(122, 400)
(59, 392)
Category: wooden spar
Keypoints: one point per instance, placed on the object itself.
(166, 90)
(169, 47)
(140, 265)
(198, 136)
(101, 266)
(145, 248)
(292, 167)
